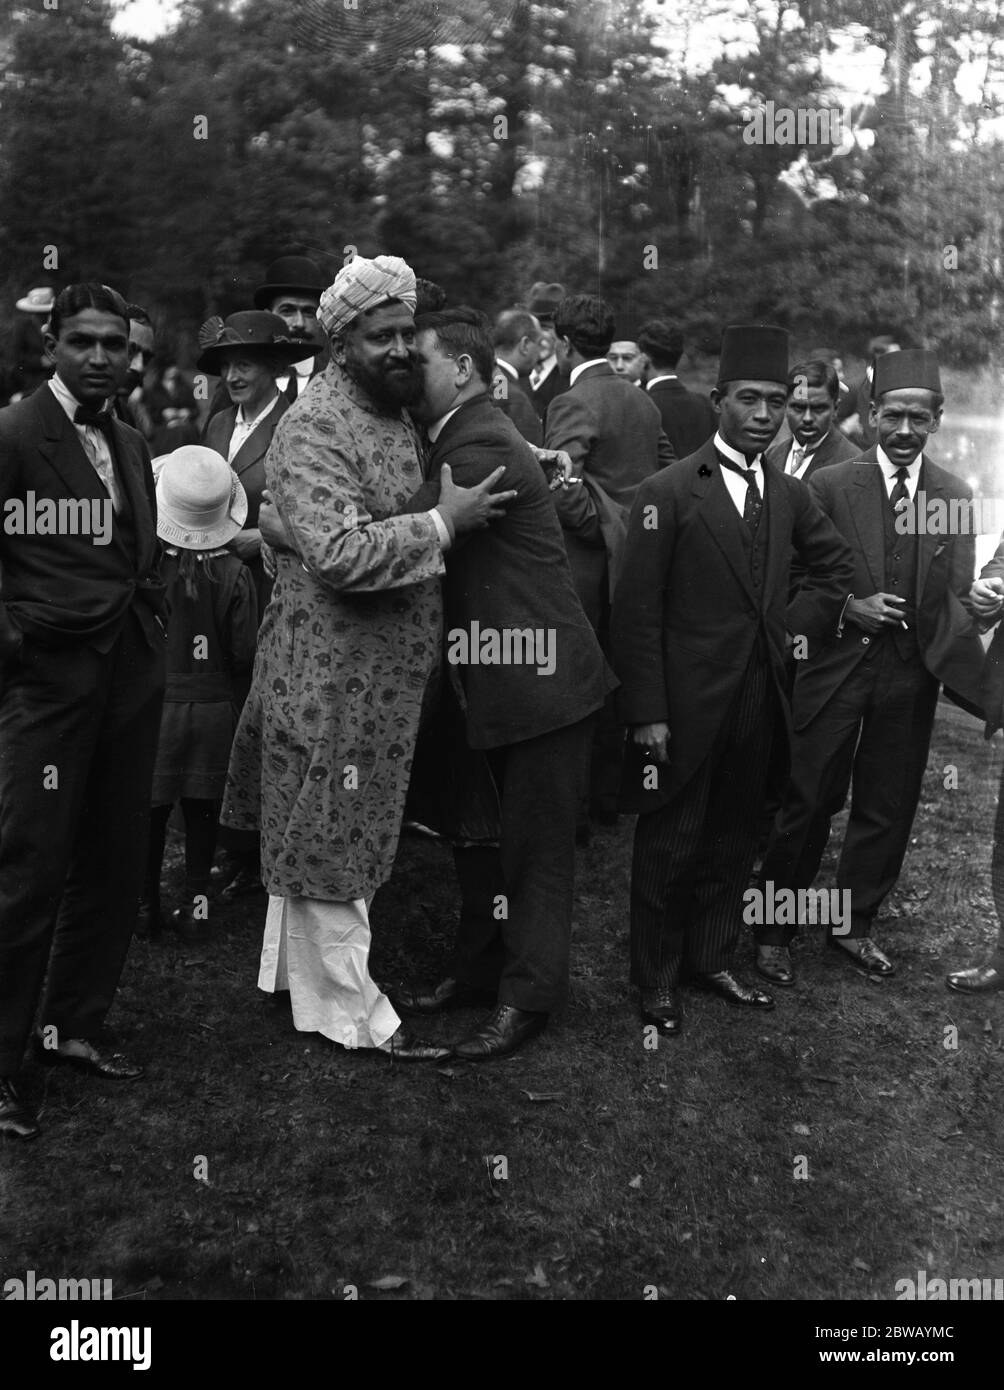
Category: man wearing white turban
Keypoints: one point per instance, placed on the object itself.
(323, 752)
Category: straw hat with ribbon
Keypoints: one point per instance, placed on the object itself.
(201, 504)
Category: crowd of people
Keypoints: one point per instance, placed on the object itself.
(503, 579)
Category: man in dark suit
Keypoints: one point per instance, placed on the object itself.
(516, 336)
(614, 435)
(986, 601)
(815, 441)
(687, 418)
(864, 705)
(81, 685)
(699, 630)
(127, 402)
(532, 714)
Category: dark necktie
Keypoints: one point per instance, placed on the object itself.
(754, 502)
(292, 385)
(95, 419)
(900, 494)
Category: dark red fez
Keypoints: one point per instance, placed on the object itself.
(754, 352)
(910, 368)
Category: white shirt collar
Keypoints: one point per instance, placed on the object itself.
(434, 431)
(507, 367)
(666, 376)
(890, 469)
(252, 425)
(576, 372)
(65, 396)
(734, 454)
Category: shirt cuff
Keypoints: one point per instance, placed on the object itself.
(843, 616)
(443, 527)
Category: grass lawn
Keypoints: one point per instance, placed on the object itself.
(624, 1169)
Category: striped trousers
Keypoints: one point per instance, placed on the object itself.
(693, 857)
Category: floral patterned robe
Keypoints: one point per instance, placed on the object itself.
(323, 752)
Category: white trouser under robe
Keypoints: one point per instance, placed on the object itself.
(319, 951)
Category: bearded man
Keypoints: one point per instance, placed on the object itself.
(324, 747)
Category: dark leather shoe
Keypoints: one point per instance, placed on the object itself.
(503, 1031)
(242, 885)
(16, 1118)
(402, 1047)
(87, 1056)
(862, 953)
(190, 922)
(979, 979)
(727, 987)
(448, 994)
(661, 1008)
(774, 964)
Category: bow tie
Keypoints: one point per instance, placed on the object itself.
(95, 419)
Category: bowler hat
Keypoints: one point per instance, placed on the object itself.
(252, 331)
(290, 275)
(544, 299)
(201, 503)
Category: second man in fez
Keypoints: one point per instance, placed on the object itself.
(815, 441)
(863, 706)
(700, 623)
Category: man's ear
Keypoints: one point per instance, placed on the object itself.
(336, 343)
(873, 413)
(465, 368)
(716, 397)
(937, 422)
(49, 342)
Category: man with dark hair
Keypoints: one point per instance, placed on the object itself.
(613, 433)
(531, 712)
(429, 297)
(81, 685)
(516, 337)
(815, 442)
(687, 418)
(628, 361)
(864, 705)
(699, 630)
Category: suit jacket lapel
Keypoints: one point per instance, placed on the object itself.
(866, 498)
(777, 515)
(61, 447)
(930, 485)
(719, 514)
(256, 445)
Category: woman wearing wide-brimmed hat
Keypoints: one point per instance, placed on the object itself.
(248, 351)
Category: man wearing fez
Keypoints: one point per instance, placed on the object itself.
(815, 441)
(323, 751)
(700, 622)
(687, 418)
(82, 646)
(864, 705)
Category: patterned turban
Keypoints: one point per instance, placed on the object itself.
(362, 285)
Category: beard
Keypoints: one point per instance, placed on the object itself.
(388, 387)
